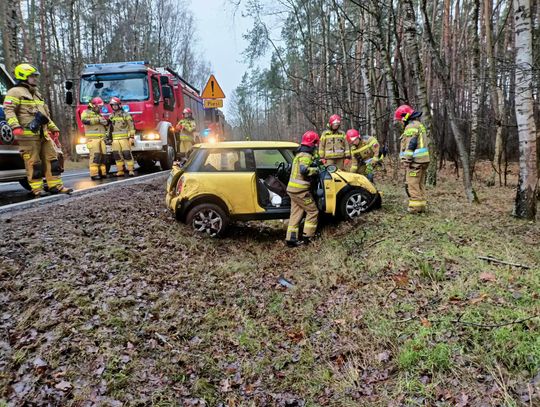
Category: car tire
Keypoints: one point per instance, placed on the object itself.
(167, 159)
(354, 203)
(146, 165)
(24, 183)
(208, 218)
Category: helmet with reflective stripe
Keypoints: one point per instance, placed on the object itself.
(187, 111)
(403, 113)
(352, 135)
(96, 102)
(23, 71)
(334, 119)
(115, 101)
(310, 139)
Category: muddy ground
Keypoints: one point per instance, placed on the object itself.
(107, 300)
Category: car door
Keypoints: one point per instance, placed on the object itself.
(230, 175)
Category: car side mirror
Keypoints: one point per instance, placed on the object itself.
(68, 85)
(331, 168)
(69, 98)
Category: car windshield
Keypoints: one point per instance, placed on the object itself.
(126, 86)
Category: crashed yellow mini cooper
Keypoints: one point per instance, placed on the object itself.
(228, 181)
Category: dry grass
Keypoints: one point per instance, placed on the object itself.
(127, 306)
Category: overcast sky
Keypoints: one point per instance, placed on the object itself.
(221, 41)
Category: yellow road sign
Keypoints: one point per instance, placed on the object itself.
(213, 103)
(212, 90)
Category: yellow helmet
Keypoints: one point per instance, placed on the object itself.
(23, 71)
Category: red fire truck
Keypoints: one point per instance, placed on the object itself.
(155, 97)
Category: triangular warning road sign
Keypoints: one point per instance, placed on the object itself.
(212, 90)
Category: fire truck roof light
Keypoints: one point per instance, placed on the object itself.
(117, 63)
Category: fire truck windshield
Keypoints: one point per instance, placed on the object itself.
(126, 86)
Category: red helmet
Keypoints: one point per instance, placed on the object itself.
(187, 110)
(352, 135)
(115, 101)
(310, 139)
(334, 119)
(403, 112)
(96, 102)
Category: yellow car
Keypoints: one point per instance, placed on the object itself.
(227, 181)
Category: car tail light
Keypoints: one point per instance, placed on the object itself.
(179, 186)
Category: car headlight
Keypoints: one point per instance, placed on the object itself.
(150, 136)
(82, 140)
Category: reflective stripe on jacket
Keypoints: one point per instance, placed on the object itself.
(92, 124)
(363, 152)
(300, 172)
(334, 145)
(122, 123)
(414, 143)
(20, 107)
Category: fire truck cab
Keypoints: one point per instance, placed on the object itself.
(155, 97)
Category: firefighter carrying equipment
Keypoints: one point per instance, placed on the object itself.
(414, 153)
(22, 105)
(301, 198)
(184, 136)
(95, 130)
(334, 148)
(122, 131)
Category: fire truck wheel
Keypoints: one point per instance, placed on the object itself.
(145, 164)
(167, 159)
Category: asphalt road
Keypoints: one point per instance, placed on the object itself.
(13, 192)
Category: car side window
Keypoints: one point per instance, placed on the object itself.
(268, 158)
(225, 161)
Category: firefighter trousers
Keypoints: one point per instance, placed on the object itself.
(302, 202)
(338, 162)
(415, 186)
(98, 155)
(122, 155)
(184, 145)
(41, 160)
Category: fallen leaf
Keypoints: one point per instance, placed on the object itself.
(383, 356)
(425, 322)
(225, 386)
(63, 385)
(40, 365)
(486, 276)
(478, 299)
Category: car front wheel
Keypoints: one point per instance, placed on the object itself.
(208, 218)
(354, 203)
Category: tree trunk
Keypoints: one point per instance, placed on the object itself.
(525, 204)
(476, 88)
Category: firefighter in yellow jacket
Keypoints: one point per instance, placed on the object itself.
(185, 130)
(365, 153)
(95, 130)
(28, 116)
(333, 148)
(299, 190)
(414, 153)
(123, 133)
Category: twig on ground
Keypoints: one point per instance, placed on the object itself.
(374, 243)
(494, 260)
(458, 321)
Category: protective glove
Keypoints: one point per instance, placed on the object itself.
(103, 121)
(347, 162)
(323, 160)
(55, 137)
(17, 132)
(132, 141)
(179, 128)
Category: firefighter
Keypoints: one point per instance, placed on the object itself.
(365, 153)
(28, 116)
(95, 129)
(299, 190)
(184, 130)
(414, 153)
(333, 148)
(123, 134)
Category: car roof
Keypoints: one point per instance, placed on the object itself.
(249, 144)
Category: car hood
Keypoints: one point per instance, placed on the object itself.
(356, 180)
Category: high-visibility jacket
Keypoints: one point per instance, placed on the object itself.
(363, 152)
(122, 125)
(414, 143)
(301, 170)
(188, 127)
(92, 124)
(334, 145)
(21, 104)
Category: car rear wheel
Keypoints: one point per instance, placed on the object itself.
(354, 203)
(208, 218)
